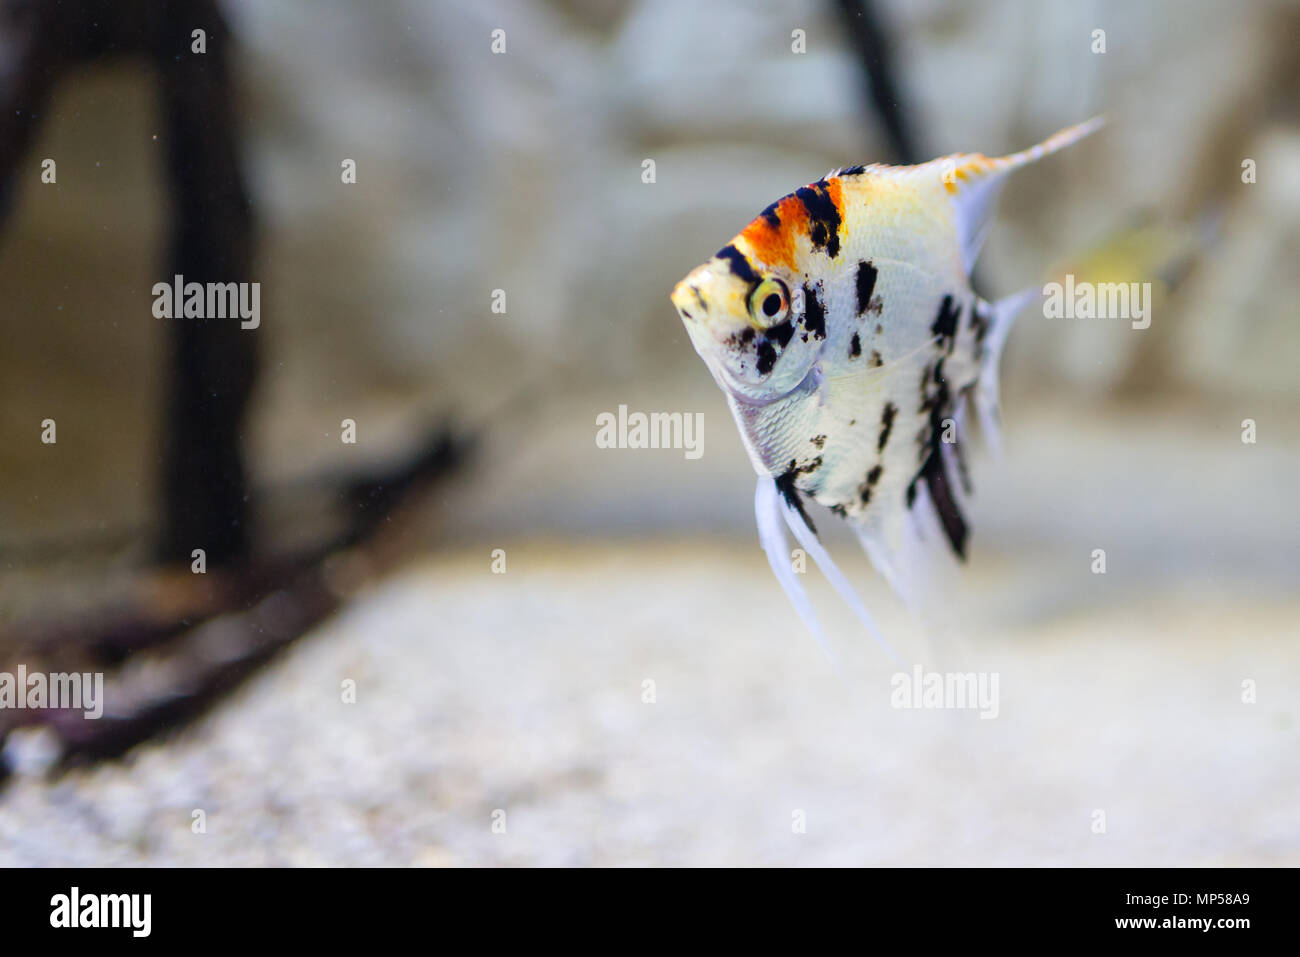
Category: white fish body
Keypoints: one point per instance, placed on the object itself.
(843, 330)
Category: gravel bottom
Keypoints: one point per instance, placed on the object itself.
(521, 700)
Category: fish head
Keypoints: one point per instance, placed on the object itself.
(747, 322)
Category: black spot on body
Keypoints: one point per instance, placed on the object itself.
(823, 217)
(855, 346)
(945, 324)
(814, 318)
(819, 441)
(766, 357)
(866, 283)
(875, 361)
(886, 425)
(867, 487)
(699, 297)
(851, 170)
(781, 332)
(747, 336)
(770, 214)
(738, 264)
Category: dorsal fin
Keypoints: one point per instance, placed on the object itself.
(974, 181)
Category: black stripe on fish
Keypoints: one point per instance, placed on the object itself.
(945, 505)
(814, 313)
(823, 217)
(959, 449)
(886, 425)
(855, 346)
(785, 485)
(935, 396)
(771, 215)
(866, 283)
(739, 264)
(945, 324)
(950, 516)
(932, 470)
(850, 170)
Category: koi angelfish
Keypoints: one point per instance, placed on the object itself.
(842, 328)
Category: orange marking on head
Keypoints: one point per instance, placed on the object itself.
(774, 245)
(835, 190)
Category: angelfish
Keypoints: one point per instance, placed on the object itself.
(842, 328)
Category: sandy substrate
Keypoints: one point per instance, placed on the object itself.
(523, 693)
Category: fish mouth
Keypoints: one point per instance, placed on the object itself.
(706, 310)
(686, 298)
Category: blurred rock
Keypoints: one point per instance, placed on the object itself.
(523, 172)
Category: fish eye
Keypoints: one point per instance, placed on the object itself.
(769, 303)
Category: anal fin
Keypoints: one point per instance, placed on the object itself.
(767, 511)
(797, 519)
